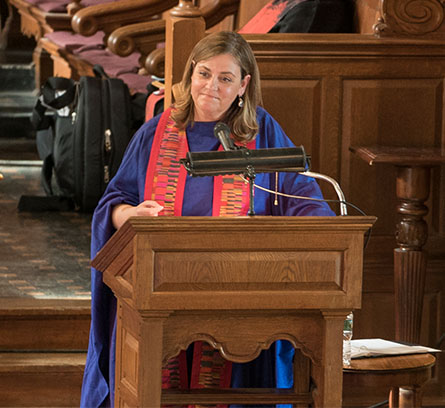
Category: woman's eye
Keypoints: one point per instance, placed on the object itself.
(204, 74)
(226, 79)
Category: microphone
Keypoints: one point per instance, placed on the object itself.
(222, 132)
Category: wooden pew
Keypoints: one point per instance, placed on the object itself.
(141, 37)
(81, 53)
(380, 86)
(52, 19)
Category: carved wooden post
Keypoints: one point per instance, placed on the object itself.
(411, 17)
(184, 28)
(73, 7)
(412, 189)
(43, 65)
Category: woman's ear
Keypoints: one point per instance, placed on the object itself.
(243, 86)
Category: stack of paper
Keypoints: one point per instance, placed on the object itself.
(380, 347)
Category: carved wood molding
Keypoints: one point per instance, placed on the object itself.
(186, 9)
(110, 16)
(141, 37)
(410, 17)
(242, 352)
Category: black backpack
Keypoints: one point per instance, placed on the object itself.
(83, 129)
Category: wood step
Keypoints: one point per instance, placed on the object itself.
(41, 324)
(41, 379)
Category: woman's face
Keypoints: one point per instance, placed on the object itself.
(216, 83)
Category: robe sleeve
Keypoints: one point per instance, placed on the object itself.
(98, 382)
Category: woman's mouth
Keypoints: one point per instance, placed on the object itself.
(209, 96)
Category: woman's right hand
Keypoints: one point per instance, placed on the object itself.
(122, 212)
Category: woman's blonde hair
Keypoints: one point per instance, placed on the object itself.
(241, 120)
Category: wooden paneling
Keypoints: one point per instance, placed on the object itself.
(329, 95)
(333, 92)
(302, 114)
(397, 112)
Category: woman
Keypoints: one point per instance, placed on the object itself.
(220, 83)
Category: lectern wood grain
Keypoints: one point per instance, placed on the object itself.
(239, 284)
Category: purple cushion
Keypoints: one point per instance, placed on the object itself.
(136, 82)
(51, 6)
(87, 3)
(92, 50)
(59, 6)
(71, 41)
(112, 64)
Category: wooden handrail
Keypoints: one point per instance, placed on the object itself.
(110, 16)
(144, 36)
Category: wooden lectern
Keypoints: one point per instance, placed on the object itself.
(239, 284)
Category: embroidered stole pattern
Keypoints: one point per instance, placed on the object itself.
(165, 182)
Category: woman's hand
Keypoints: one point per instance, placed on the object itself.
(123, 212)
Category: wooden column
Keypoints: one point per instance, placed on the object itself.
(186, 26)
(43, 64)
(412, 190)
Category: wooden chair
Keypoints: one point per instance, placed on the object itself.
(402, 376)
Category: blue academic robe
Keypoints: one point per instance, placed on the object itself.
(273, 367)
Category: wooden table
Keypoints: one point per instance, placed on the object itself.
(412, 190)
(404, 376)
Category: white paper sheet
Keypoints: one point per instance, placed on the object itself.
(380, 347)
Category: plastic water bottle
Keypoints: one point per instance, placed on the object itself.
(347, 336)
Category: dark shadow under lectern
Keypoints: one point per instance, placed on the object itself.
(239, 284)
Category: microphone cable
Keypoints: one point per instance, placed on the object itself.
(326, 200)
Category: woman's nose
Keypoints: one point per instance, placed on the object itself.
(213, 83)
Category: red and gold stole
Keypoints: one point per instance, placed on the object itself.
(164, 183)
(165, 179)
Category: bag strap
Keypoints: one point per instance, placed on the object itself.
(99, 72)
(49, 99)
(47, 173)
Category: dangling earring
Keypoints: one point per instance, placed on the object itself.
(240, 101)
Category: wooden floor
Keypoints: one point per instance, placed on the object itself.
(44, 296)
(44, 269)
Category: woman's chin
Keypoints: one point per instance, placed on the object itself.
(208, 116)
